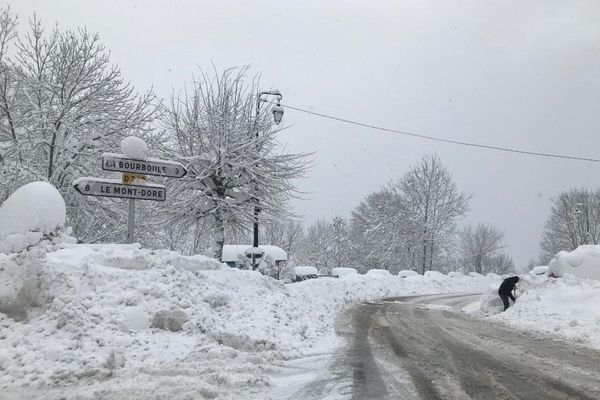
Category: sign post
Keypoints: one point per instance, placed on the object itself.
(134, 166)
(131, 221)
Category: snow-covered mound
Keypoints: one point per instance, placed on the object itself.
(33, 210)
(566, 308)
(108, 320)
(583, 262)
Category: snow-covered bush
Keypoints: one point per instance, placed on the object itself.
(33, 210)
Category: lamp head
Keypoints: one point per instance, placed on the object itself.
(277, 114)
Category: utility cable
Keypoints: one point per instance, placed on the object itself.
(437, 139)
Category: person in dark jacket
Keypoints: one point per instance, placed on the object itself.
(505, 290)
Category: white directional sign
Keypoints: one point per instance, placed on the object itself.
(150, 166)
(114, 188)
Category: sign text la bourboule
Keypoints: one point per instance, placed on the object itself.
(113, 188)
(119, 163)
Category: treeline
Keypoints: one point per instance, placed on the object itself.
(411, 223)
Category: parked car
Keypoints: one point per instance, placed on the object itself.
(405, 273)
(303, 272)
(378, 272)
(541, 270)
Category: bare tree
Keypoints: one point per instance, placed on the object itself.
(340, 248)
(381, 231)
(434, 203)
(314, 249)
(480, 247)
(233, 159)
(565, 229)
(61, 103)
(501, 264)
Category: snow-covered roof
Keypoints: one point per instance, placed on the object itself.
(231, 252)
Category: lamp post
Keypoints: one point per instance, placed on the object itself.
(277, 115)
(578, 212)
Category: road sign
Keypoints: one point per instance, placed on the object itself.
(132, 179)
(151, 166)
(114, 188)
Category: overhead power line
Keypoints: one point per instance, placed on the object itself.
(437, 139)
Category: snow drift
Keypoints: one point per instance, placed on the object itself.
(583, 262)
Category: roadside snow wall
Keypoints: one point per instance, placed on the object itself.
(583, 262)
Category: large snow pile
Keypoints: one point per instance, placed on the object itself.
(33, 210)
(118, 321)
(583, 262)
(566, 308)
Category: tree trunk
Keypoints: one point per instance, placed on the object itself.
(219, 235)
(431, 255)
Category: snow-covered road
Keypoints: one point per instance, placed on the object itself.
(417, 348)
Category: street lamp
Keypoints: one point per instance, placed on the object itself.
(577, 211)
(277, 115)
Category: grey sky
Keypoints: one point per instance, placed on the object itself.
(521, 74)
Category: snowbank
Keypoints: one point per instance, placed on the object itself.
(109, 319)
(566, 308)
(583, 262)
(33, 210)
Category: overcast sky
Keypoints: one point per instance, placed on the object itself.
(522, 74)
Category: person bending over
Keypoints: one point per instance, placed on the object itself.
(506, 289)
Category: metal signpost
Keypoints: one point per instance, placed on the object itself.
(132, 185)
